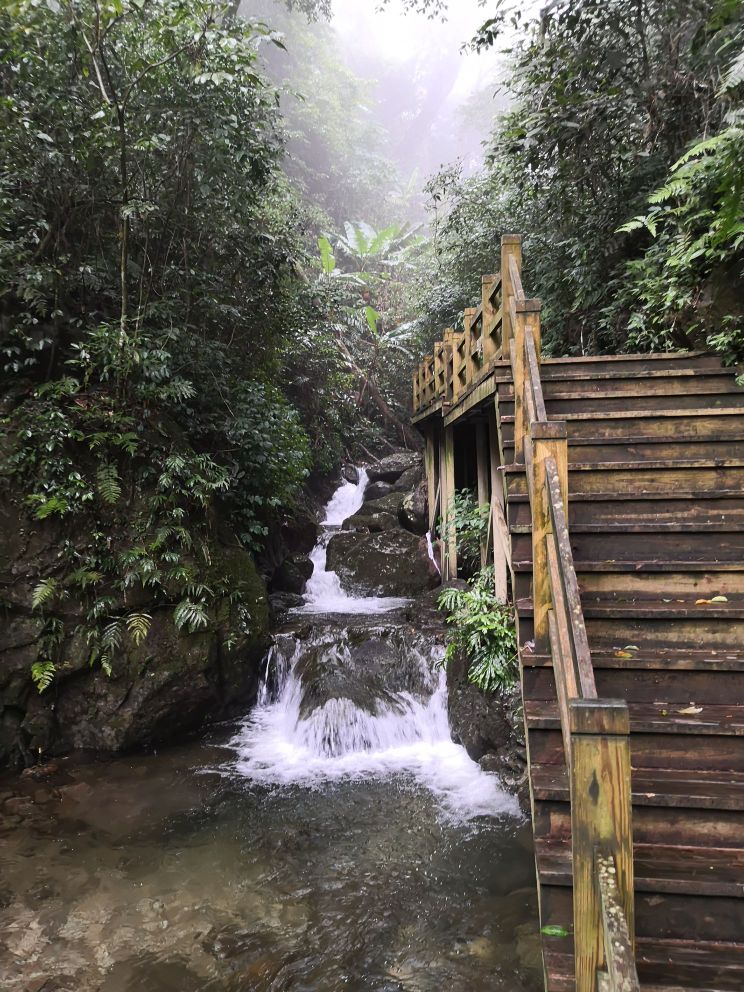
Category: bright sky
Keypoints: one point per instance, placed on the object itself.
(395, 35)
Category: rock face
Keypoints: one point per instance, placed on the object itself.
(414, 509)
(292, 575)
(391, 563)
(167, 685)
(489, 727)
(390, 468)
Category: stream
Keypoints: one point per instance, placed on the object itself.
(336, 839)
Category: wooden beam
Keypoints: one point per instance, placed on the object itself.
(491, 343)
(483, 473)
(511, 247)
(501, 539)
(431, 475)
(448, 486)
(548, 441)
(600, 823)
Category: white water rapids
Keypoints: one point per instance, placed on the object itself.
(287, 741)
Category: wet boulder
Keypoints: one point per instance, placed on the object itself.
(391, 563)
(299, 533)
(375, 522)
(408, 480)
(292, 575)
(390, 468)
(350, 473)
(414, 510)
(378, 489)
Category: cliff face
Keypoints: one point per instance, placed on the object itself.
(165, 686)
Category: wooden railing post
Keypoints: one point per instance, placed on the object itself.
(449, 535)
(490, 345)
(511, 246)
(468, 357)
(548, 441)
(482, 470)
(527, 322)
(600, 823)
(501, 537)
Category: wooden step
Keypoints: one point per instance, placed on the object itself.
(590, 451)
(638, 545)
(659, 478)
(703, 966)
(658, 718)
(567, 383)
(598, 578)
(638, 361)
(692, 870)
(617, 656)
(646, 424)
(724, 396)
(680, 510)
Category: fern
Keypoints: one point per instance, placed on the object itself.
(43, 672)
(192, 615)
(138, 625)
(108, 483)
(45, 591)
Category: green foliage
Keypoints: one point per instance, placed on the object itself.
(42, 673)
(482, 630)
(471, 526)
(605, 99)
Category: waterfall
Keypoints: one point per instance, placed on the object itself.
(358, 697)
(323, 593)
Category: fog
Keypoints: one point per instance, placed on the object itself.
(436, 98)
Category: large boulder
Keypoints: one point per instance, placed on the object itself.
(391, 563)
(390, 468)
(169, 684)
(292, 575)
(377, 490)
(408, 480)
(414, 510)
(299, 533)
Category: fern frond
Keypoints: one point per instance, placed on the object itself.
(43, 672)
(138, 625)
(43, 592)
(108, 483)
(190, 614)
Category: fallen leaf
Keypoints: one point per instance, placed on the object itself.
(719, 599)
(691, 710)
(623, 654)
(702, 602)
(554, 931)
(631, 647)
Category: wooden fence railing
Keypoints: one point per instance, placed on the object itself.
(595, 731)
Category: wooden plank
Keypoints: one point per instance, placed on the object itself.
(483, 480)
(619, 953)
(491, 338)
(501, 539)
(600, 820)
(511, 247)
(448, 477)
(432, 482)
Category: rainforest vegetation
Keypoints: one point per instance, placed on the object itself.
(215, 280)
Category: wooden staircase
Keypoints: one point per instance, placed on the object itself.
(656, 524)
(615, 493)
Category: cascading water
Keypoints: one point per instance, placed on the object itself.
(359, 698)
(323, 593)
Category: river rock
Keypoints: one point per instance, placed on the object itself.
(391, 563)
(377, 490)
(350, 473)
(373, 522)
(292, 575)
(282, 602)
(390, 468)
(479, 721)
(414, 510)
(408, 480)
(299, 533)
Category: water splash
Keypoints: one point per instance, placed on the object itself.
(324, 593)
(407, 731)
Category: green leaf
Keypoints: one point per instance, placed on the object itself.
(43, 592)
(108, 484)
(327, 258)
(553, 930)
(43, 672)
(138, 625)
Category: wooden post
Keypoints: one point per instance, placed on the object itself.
(499, 525)
(431, 475)
(415, 404)
(469, 359)
(448, 356)
(511, 245)
(443, 504)
(481, 454)
(548, 440)
(528, 322)
(448, 486)
(600, 823)
(490, 345)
